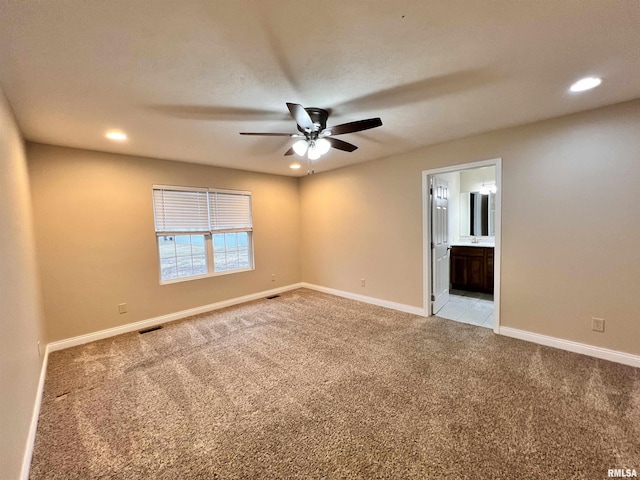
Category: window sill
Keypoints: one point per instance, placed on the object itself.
(208, 275)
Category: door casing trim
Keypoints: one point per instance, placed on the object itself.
(426, 233)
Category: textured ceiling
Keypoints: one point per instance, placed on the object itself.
(182, 78)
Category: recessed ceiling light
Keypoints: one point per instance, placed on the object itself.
(116, 135)
(586, 83)
(295, 166)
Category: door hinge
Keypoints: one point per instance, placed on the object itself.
(431, 191)
(433, 298)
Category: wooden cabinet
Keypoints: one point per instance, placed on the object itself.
(472, 268)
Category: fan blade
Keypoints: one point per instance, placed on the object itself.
(289, 152)
(301, 116)
(357, 126)
(269, 134)
(340, 144)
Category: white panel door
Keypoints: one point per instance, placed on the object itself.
(439, 243)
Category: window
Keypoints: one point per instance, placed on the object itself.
(202, 232)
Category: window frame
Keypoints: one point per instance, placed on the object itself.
(208, 235)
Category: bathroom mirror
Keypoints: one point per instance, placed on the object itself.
(477, 214)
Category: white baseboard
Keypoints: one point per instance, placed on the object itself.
(31, 438)
(151, 322)
(363, 298)
(590, 350)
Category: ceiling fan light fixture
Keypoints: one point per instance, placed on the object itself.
(300, 147)
(323, 145)
(314, 152)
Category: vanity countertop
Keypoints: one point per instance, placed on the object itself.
(469, 244)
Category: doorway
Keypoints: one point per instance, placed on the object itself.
(461, 237)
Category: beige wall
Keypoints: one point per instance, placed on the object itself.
(570, 224)
(364, 222)
(20, 318)
(96, 241)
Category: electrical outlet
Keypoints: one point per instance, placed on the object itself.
(122, 308)
(362, 282)
(273, 277)
(597, 324)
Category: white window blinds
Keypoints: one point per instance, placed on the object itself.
(229, 211)
(181, 209)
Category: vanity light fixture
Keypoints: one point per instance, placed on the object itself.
(488, 188)
(584, 84)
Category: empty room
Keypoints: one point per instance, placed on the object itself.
(267, 239)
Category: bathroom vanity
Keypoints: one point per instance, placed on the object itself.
(472, 267)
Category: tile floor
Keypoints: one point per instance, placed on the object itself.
(469, 307)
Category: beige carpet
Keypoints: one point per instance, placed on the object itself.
(310, 385)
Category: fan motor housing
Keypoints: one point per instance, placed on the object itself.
(319, 117)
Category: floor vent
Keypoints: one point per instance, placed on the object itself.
(272, 297)
(147, 330)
